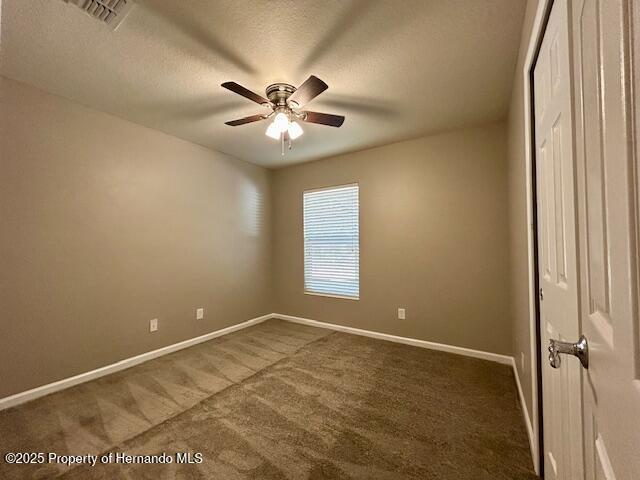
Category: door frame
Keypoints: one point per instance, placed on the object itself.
(534, 423)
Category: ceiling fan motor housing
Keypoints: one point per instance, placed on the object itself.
(278, 93)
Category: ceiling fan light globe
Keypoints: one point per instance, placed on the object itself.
(273, 131)
(281, 121)
(295, 130)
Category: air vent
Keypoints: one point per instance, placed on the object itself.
(111, 12)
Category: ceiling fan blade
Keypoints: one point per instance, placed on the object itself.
(323, 118)
(309, 90)
(246, 93)
(242, 121)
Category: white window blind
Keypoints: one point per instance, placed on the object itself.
(331, 241)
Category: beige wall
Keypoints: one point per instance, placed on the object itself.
(518, 234)
(106, 224)
(434, 239)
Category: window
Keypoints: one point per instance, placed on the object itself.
(331, 242)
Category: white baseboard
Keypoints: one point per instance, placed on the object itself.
(37, 392)
(533, 441)
(493, 357)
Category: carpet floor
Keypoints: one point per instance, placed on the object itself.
(283, 401)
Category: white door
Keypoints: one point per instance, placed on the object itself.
(557, 257)
(606, 35)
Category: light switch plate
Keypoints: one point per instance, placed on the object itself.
(153, 325)
(199, 313)
(401, 314)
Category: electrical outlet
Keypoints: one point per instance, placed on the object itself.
(153, 325)
(401, 314)
(199, 313)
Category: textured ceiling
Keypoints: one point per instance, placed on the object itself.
(397, 69)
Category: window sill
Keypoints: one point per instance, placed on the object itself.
(344, 297)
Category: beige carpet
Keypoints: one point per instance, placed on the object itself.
(284, 401)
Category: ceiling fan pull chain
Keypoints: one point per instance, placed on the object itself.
(282, 144)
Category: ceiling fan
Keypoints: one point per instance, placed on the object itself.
(284, 101)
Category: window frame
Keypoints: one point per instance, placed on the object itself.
(304, 285)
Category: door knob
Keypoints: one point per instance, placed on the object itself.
(579, 349)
